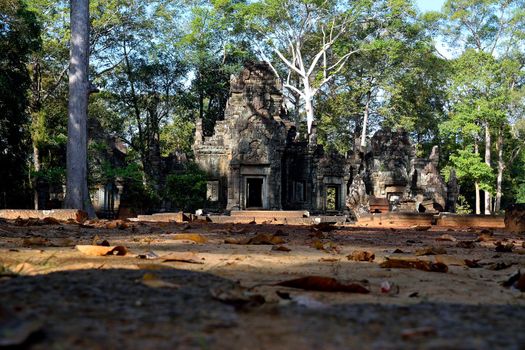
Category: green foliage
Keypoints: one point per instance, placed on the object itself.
(470, 167)
(19, 37)
(462, 206)
(187, 190)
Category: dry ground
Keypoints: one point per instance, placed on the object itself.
(224, 296)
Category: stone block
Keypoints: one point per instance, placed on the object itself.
(515, 218)
(58, 214)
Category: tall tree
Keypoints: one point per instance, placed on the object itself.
(77, 192)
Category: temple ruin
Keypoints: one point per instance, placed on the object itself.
(255, 161)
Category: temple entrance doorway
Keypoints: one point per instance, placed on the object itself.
(254, 193)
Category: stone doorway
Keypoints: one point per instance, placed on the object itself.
(254, 193)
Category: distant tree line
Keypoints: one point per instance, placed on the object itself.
(453, 78)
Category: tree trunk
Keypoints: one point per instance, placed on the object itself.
(365, 122)
(36, 163)
(488, 197)
(77, 193)
(501, 168)
(476, 185)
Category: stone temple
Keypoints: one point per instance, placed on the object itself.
(255, 161)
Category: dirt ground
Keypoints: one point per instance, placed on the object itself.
(209, 286)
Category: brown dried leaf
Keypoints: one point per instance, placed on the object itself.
(195, 237)
(501, 265)
(466, 244)
(260, 239)
(431, 251)
(95, 250)
(421, 227)
(185, 257)
(151, 280)
(504, 248)
(446, 238)
(323, 284)
(50, 221)
(413, 333)
(423, 265)
(361, 255)
(473, 264)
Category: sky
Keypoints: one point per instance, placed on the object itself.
(430, 5)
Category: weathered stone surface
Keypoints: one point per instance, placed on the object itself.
(515, 218)
(470, 221)
(58, 214)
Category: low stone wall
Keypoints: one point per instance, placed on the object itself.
(471, 221)
(395, 220)
(58, 214)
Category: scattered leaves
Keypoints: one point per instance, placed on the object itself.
(195, 237)
(361, 255)
(185, 257)
(466, 244)
(95, 250)
(323, 284)
(259, 239)
(423, 265)
(473, 264)
(421, 332)
(446, 238)
(504, 248)
(431, 251)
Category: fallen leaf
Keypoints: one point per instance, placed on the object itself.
(260, 239)
(96, 250)
(323, 284)
(186, 257)
(514, 280)
(195, 237)
(421, 227)
(485, 238)
(473, 264)
(431, 251)
(281, 233)
(466, 244)
(361, 255)
(412, 333)
(504, 248)
(50, 221)
(423, 265)
(237, 295)
(324, 226)
(398, 251)
(152, 280)
(446, 238)
(281, 248)
(317, 234)
(501, 265)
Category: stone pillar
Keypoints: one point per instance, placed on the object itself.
(234, 188)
